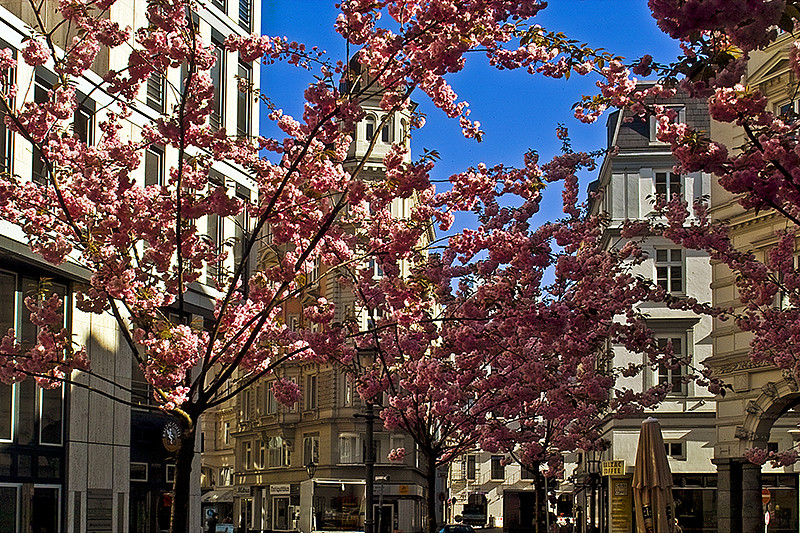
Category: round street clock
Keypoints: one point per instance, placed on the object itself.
(171, 435)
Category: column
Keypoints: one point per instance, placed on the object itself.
(752, 514)
(728, 517)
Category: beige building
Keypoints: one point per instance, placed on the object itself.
(760, 411)
(301, 467)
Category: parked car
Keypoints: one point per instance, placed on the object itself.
(456, 528)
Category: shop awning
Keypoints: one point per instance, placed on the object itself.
(215, 496)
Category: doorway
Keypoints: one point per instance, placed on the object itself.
(384, 518)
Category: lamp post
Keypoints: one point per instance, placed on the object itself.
(593, 470)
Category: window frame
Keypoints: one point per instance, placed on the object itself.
(499, 467)
(653, 124)
(669, 263)
(668, 375)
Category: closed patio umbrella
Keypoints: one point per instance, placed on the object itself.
(652, 482)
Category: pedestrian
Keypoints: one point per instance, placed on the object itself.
(211, 523)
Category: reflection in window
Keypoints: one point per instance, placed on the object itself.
(339, 507)
(51, 415)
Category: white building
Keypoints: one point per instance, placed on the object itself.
(72, 460)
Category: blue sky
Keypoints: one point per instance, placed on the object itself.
(517, 111)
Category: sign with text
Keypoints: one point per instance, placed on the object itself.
(242, 491)
(613, 468)
(280, 489)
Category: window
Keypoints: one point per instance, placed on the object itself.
(498, 468)
(245, 406)
(348, 392)
(6, 412)
(471, 471)
(245, 14)
(668, 184)
(789, 110)
(243, 99)
(225, 476)
(40, 96)
(169, 473)
(214, 230)
(138, 471)
(680, 118)
(311, 448)
(154, 166)
(154, 97)
(369, 123)
(278, 452)
(262, 454)
(242, 230)
(272, 406)
(349, 448)
(675, 450)
(386, 132)
(83, 120)
(526, 473)
(51, 415)
(216, 119)
(669, 269)
(247, 455)
(220, 4)
(226, 433)
(7, 78)
(311, 392)
(673, 376)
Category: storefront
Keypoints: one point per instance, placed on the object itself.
(340, 505)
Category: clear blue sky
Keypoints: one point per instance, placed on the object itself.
(517, 111)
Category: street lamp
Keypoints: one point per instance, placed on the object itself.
(311, 468)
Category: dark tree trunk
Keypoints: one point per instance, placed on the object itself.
(431, 479)
(179, 519)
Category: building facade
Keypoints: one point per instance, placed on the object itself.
(760, 410)
(73, 460)
(302, 467)
(627, 185)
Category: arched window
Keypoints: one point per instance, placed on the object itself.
(370, 125)
(386, 132)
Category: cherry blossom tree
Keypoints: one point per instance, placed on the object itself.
(527, 356)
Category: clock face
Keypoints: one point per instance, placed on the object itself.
(170, 436)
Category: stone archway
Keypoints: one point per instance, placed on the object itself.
(761, 395)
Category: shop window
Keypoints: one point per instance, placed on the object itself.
(673, 375)
(9, 511)
(46, 509)
(498, 468)
(669, 269)
(138, 472)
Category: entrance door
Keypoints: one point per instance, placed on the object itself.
(384, 519)
(246, 521)
(280, 513)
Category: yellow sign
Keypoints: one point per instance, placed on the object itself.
(620, 505)
(402, 490)
(613, 468)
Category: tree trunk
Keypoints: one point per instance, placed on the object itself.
(431, 478)
(181, 487)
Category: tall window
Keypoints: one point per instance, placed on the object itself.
(369, 124)
(349, 448)
(155, 92)
(311, 448)
(673, 376)
(278, 452)
(669, 269)
(243, 100)
(386, 132)
(471, 461)
(247, 455)
(311, 392)
(7, 78)
(271, 403)
(216, 120)
(40, 89)
(154, 165)
(245, 14)
(498, 468)
(668, 184)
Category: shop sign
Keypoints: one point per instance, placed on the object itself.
(243, 491)
(613, 468)
(402, 490)
(280, 489)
